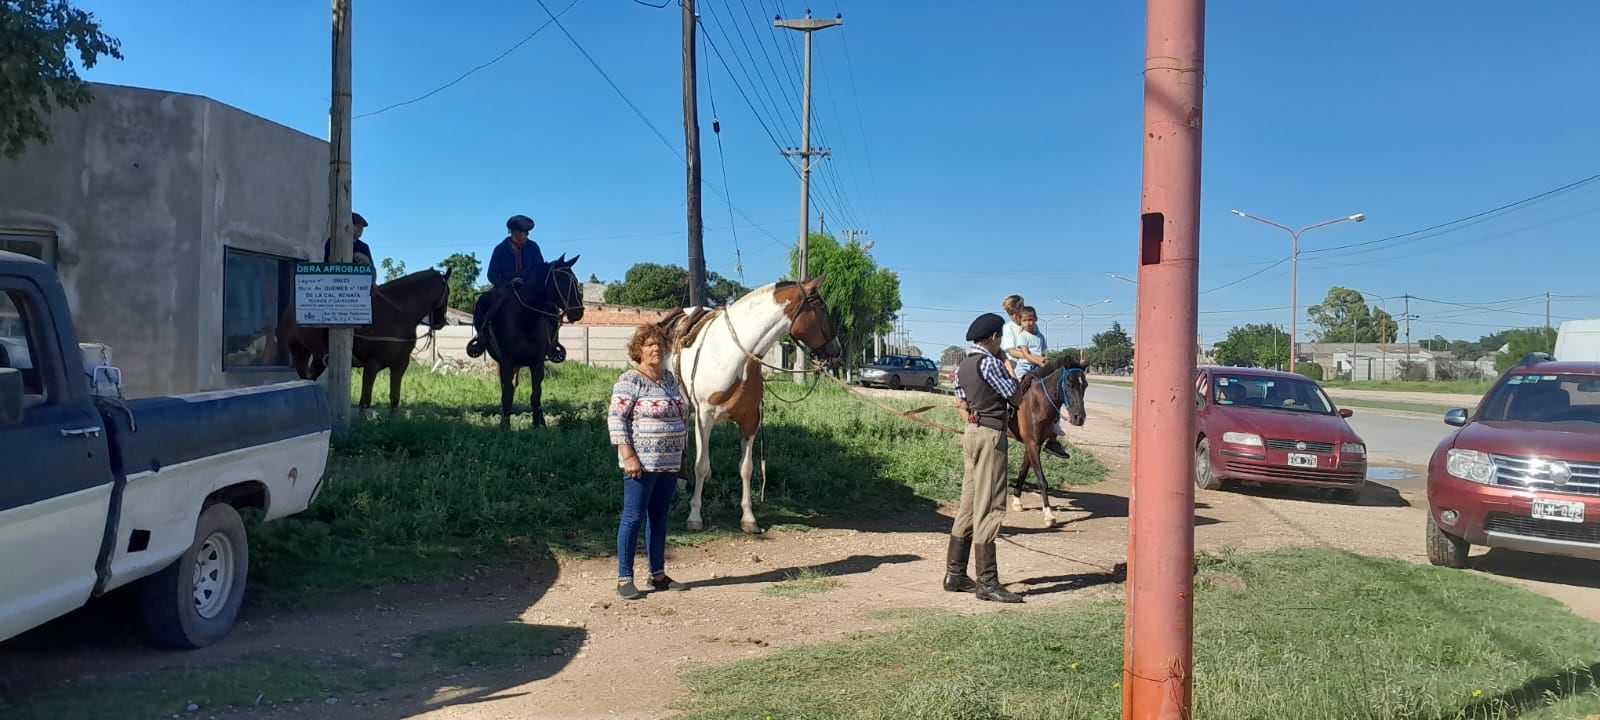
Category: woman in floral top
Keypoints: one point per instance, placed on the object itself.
(647, 424)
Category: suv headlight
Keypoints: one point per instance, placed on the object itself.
(1470, 465)
(1239, 438)
(1353, 449)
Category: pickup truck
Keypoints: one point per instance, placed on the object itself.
(99, 493)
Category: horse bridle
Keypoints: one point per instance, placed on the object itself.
(563, 299)
(816, 303)
(1061, 388)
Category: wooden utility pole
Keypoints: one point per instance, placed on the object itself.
(340, 232)
(807, 26)
(1159, 645)
(691, 141)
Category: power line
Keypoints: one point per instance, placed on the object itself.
(657, 131)
(1474, 216)
(1247, 277)
(722, 159)
(464, 75)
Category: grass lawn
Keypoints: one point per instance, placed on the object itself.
(1288, 634)
(1424, 408)
(440, 489)
(1464, 387)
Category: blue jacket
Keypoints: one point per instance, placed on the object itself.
(360, 247)
(505, 265)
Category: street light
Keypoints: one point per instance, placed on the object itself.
(1115, 276)
(1081, 309)
(1294, 282)
(1383, 332)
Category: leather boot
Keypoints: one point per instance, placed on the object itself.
(989, 587)
(955, 566)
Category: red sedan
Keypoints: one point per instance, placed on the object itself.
(1270, 427)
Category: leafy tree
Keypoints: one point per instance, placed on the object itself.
(667, 286)
(1112, 348)
(952, 355)
(464, 270)
(393, 269)
(1343, 312)
(1524, 341)
(862, 297)
(1254, 345)
(36, 68)
(594, 279)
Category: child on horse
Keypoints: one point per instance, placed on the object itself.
(1025, 350)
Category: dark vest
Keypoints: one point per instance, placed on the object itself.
(991, 408)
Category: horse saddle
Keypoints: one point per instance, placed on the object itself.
(683, 326)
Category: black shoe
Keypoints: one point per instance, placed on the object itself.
(628, 591)
(474, 348)
(1053, 446)
(955, 571)
(989, 587)
(665, 582)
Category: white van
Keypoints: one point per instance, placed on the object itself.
(1578, 340)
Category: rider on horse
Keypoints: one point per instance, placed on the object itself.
(516, 262)
(360, 254)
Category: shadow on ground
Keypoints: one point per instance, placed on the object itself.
(1539, 568)
(1375, 494)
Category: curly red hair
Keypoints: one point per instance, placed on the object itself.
(641, 337)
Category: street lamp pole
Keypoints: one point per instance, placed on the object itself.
(1294, 263)
(1383, 332)
(1081, 309)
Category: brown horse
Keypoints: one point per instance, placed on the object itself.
(398, 307)
(1062, 382)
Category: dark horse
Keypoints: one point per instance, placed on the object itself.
(1061, 382)
(519, 330)
(398, 307)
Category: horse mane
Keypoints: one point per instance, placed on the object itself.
(405, 280)
(1066, 361)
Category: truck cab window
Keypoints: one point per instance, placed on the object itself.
(17, 346)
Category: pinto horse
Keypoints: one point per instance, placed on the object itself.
(398, 307)
(715, 354)
(1061, 382)
(519, 330)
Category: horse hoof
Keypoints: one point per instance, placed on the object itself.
(750, 527)
(1016, 504)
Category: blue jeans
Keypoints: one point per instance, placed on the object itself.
(645, 500)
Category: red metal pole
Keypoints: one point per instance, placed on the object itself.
(1160, 633)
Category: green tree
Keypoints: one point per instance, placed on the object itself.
(1343, 312)
(1254, 345)
(464, 270)
(1521, 342)
(862, 297)
(667, 286)
(393, 269)
(36, 68)
(1111, 349)
(952, 356)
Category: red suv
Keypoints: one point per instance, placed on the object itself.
(1523, 472)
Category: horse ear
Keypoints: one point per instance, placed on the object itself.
(560, 260)
(574, 260)
(447, 272)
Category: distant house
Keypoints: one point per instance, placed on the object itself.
(1384, 361)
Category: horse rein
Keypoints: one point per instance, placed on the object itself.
(1061, 388)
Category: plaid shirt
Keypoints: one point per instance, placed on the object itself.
(994, 372)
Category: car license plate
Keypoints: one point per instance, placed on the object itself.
(1562, 510)
(1301, 460)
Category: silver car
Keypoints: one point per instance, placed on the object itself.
(902, 371)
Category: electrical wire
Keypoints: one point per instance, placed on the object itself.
(464, 75)
(722, 159)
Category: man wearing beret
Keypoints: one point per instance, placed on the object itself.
(986, 394)
(516, 261)
(360, 253)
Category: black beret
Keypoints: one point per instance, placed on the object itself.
(357, 220)
(986, 325)
(519, 223)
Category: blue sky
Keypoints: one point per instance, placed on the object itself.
(987, 149)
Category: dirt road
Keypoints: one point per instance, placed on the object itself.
(628, 661)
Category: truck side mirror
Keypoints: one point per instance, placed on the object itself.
(1456, 417)
(10, 397)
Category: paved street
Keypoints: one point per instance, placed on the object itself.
(1390, 437)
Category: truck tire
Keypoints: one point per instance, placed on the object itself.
(194, 601)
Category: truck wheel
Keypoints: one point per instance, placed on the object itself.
(195, 600)
(1444, 549)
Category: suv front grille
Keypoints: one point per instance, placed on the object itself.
(1531, 472)
(1545, 529)
(1289, 445)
